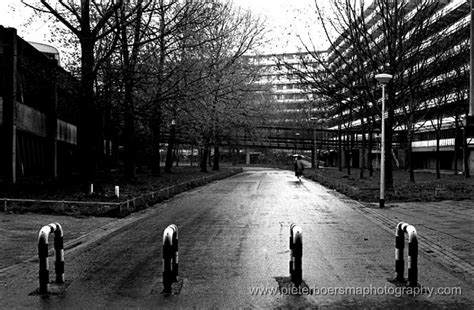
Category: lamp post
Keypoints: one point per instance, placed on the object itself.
(383, 79)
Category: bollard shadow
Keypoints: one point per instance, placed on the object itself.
(405, 284)
(175, 288)
(54, 289)
(287, 287)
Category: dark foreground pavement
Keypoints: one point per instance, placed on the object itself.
(234, 251)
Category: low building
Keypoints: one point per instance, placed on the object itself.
(38, 111)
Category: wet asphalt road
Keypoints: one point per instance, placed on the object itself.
(233, 238)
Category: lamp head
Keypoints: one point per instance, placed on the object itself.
(383, 78)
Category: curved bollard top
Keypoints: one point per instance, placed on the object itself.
(399, 229)
(295, 233)
(170, 232)
(46, 230)
(403, 227)
(411, 231)
(297, 230)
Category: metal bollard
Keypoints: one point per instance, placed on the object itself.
(43, 255)
(296, 254)
(170, 257)
(401, 229)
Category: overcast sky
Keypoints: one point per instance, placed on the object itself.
(285, 18)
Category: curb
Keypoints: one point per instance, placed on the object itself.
(110, 209)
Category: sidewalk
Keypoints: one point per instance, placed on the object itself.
(19, 233)
(445, 230)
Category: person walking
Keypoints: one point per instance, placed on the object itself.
(299, 167)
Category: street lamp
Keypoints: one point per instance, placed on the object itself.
(383, 79)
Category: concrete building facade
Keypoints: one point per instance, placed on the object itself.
(38, 112)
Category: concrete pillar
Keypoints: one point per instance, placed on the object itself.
(9, 38)
(52, 131)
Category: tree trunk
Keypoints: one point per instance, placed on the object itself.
(169, 151)
(369, 156)
(316, 156)
(235, 156)
(348, 153)
(215, 165)
(411, 165)
(465, 151)
(388, 150)
(87, 130)
(339, 147)
(210, 156)
(205, 155)
(363, 151)
(129, 132)
(155, 160)
(438, 172)
(456, 144)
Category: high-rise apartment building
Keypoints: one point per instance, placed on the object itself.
(292, 98)
(428, 95)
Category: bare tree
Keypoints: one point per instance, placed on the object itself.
(222, 73)
(387, 36)
(89, 21)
